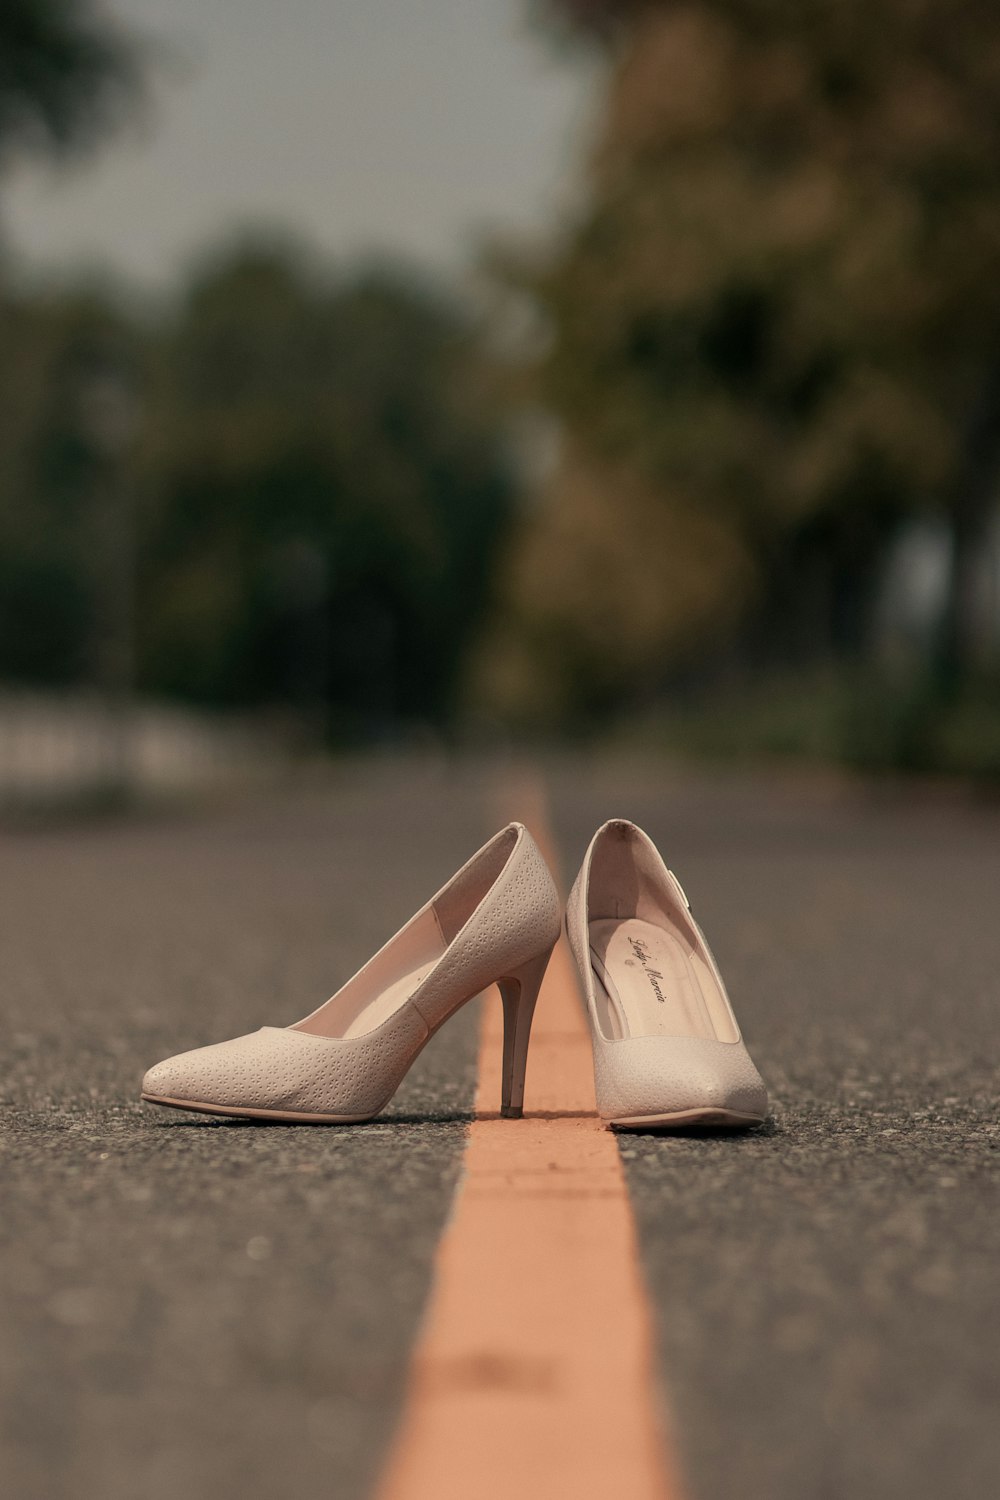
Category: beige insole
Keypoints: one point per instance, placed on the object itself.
(386, 982)
(651, 980)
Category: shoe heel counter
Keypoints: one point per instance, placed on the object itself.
(517, 920)
(538, 895)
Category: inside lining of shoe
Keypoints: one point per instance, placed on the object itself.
(652, 975)
(388, 980)
(460, 897)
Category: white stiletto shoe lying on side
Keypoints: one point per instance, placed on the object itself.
(495, 922)
(667, 1049)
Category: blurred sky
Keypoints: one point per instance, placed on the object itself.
(360, 123)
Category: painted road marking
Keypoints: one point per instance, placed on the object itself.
(534, 1377)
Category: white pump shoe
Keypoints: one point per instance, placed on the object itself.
(495, 922)
(667, 1049)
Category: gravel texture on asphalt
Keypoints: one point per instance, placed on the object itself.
(194, 1307)
(211, 1309)
(827, 1288)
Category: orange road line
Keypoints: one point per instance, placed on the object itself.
(533, 1376)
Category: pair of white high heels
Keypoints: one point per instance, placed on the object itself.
(667, 1049)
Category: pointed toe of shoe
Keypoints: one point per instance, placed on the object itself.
(678, 1080)
(278, 1071)
(185, 1078)
(156, 1079)
(216, 1076)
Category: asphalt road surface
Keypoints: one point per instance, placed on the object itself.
(217, 1309)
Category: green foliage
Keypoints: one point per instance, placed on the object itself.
(830, 714)
(779, 313)
(46, 588)
(307, 514)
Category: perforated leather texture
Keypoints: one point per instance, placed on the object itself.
(649, 1076)
(668, 1075)
(280, 1069)
(300, 1072)
(518, 919)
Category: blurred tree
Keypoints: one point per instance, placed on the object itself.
(330, 493)
(67, 74)
(316, 495)
(313, 506)
(53, 575)
(779, 315)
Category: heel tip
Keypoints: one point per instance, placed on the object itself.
(511, 1112)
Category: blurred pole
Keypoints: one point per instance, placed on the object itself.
(108, 416)
(973, 506)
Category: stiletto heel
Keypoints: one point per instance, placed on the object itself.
(499, 916)
(519, 991)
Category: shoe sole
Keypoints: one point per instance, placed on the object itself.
(235, 1111)
(680, 1119)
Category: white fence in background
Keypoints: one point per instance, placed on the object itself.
(64, 748)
